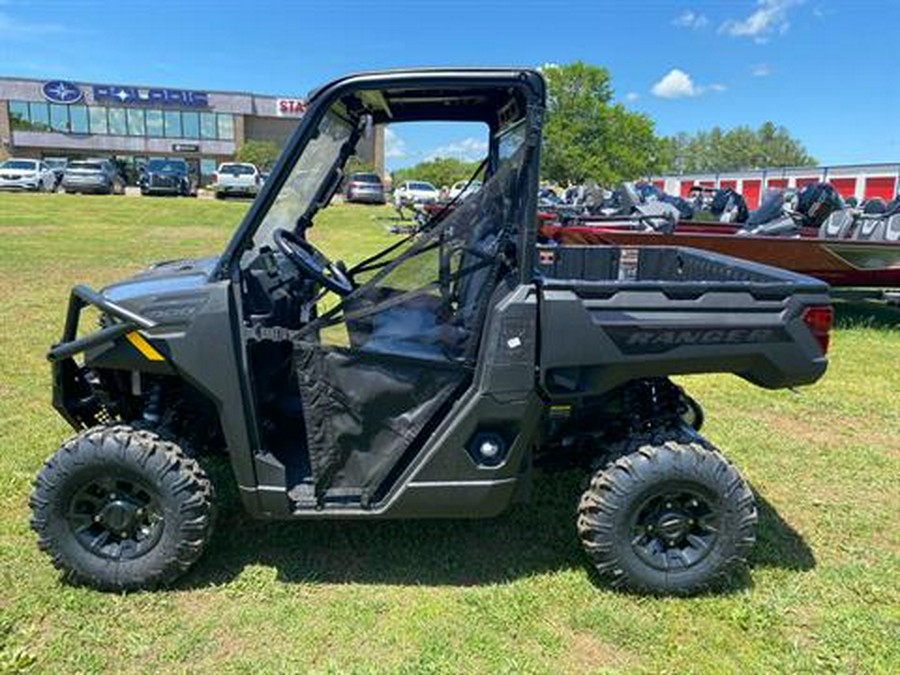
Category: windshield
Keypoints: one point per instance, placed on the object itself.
(422, 186)
(166, 165)
(237, 169)
(86, 166)
(19, 164)
(311, 170)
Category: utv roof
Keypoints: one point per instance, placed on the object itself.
(451, 93)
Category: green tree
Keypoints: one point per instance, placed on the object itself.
(439, 171)
(588, 137)
(736, 149)
(261, 153)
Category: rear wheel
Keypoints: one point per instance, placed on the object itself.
(669, 516)
(121, 508)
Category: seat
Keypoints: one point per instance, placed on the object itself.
(870, 228)
(838, 224)
(892, 229)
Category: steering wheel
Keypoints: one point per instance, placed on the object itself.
(312, 261)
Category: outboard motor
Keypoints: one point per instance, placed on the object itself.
(649, 192)
(817, 201)
(729, 206)
(874, 206)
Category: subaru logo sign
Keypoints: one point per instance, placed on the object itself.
(59, 91)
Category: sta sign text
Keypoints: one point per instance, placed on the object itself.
(290, 107)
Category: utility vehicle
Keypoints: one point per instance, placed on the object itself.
(431, 379)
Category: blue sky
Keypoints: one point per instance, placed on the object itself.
(827, 70)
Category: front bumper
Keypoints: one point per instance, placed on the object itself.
(161, 190)
(73, 395)
(20, 184)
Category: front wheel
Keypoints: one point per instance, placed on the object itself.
(120, 508)
(670, 517)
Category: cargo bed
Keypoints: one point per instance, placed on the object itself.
(628, 312)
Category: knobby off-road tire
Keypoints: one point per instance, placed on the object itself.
(122, 508)
(667, 516)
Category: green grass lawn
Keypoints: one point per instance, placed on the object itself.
(505, 595)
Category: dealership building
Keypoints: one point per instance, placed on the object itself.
(60, 119)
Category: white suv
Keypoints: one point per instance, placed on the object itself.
(236, 178)
(26, 174)
(415, 191)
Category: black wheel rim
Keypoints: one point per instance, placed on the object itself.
(676, 527)
(116, 518)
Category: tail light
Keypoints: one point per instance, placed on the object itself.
(215, 178)
(819, 320)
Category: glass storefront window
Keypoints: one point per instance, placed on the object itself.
(190, 122)
(136, 122)
(18, 115)
(226, 127)
(173, 124)
(78, 119)
(98, 120)
(117, 124)
(39, 116)
(155, 123)
(208, 126)
(59, 118)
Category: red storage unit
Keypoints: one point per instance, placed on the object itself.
(846, 187)
(884, 187)
(802, 182)
(686, 186)
(661, 184)
(726, 184)
(777, 183)
(750, 191)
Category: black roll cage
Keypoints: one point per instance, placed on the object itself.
(528, 81)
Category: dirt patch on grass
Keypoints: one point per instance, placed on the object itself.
(834, 430)
(28, 230)
(587, 653)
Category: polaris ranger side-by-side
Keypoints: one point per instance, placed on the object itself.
(428, 380)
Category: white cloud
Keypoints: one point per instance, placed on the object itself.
(632, 96)
(678, 84)
(394, 146)
(761, 70)
(770, 18)
(13, 29)
(468, 149)
(690, 19)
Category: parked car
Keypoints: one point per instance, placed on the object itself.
(58, 167)
(93, 175)
(236, 178)
(415, 191)
(168, 177)
(26, 174)
(365, 187)
(463, 188)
